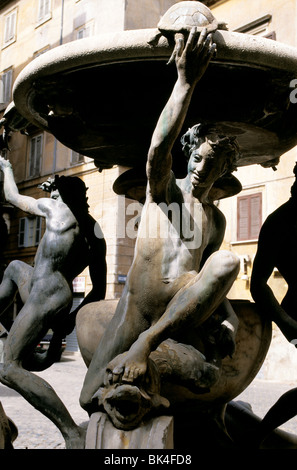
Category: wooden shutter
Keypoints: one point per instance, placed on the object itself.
(47, 7)
(30, 232)
(255, 215)
(10, 22)
(44, 9)
(22, 231)
(35, 155)
(242, 218)
(249, 216)
(6, 83)
(38, 230)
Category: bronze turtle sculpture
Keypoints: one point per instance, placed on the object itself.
(182, 17)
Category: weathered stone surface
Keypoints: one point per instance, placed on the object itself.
(155, 434)
(8, 430)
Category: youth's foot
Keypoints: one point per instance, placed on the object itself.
(126, 367)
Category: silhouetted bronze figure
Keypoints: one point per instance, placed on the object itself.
(177, 279)
(68, 245)
(277, 249)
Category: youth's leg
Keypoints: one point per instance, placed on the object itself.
(190, 307)
(282, 411)
(16, 277)
(122, 330)
(27, 329)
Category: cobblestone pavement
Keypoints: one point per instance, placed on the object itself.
(35, 431)
(262, 394)
(66, 377)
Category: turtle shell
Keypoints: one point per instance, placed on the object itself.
(183, 16)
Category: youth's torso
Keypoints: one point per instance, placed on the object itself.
(166, 257)
(63, 248)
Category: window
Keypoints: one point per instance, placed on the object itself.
(37, 230)
(35, 155)
(249, 216)
(259, 27)
(41, 51)
(271, 35)
(5, 86)
(84, 31)
(44, 10)
(76, 158)
(29, 231)
(10, 28)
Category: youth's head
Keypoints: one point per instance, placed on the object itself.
(210, 154)
(70, 189)
(49, 186)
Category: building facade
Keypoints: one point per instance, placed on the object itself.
(29, 28)
(264, 189)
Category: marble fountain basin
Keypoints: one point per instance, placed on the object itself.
(101, 96)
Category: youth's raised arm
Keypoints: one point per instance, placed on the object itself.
(11, 192)
(192, 60)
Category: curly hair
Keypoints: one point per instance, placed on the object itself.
(73, 192)
(71, 188)
(196, 135)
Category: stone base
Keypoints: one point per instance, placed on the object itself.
(155, 434)
(8, 430)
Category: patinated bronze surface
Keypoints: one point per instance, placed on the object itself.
(173, 343)
(68, 245)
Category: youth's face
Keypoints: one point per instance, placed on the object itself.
(56, 195)
(205, 165)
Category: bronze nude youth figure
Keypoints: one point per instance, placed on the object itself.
(277, 249)
(172, 289)
(68, 245)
